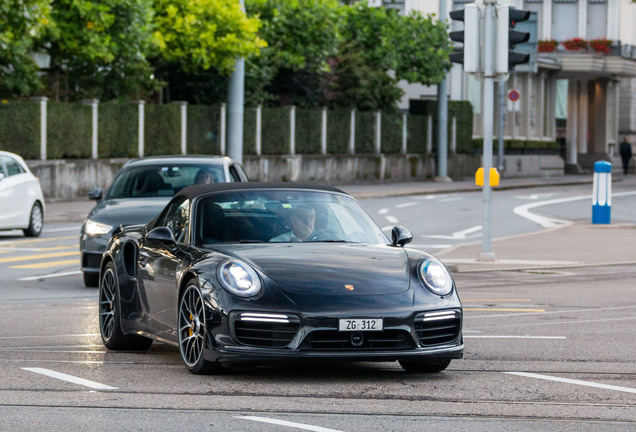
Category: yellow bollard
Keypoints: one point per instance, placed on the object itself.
(494, 177)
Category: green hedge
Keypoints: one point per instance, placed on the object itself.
(69, 130)
(203, 130)
(461, 110)
(118, 130)
(20, 128)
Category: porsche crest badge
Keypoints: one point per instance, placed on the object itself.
(350, 287)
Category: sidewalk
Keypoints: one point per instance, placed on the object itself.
(570, 246)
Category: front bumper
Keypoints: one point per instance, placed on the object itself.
(91, 248)
(419, 335)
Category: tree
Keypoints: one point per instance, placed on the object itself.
(423, 46)
(202, 38)
(21, 21)
(301, 36)
(99, 48)
(382, 47)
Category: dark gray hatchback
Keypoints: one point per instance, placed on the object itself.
(141, 189)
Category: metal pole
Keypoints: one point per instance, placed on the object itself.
(502, 121)
(236, 102)
(442, 116)
(489, 42)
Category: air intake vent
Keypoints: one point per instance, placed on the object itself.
(265, 330)
(438, 328)
(334, 340)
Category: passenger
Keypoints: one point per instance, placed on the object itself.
(204, 176)
(302, 220)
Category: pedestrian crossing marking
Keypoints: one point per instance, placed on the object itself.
(38, 240)
(40, 256)
(47, 264)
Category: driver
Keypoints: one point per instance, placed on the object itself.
(302, 220)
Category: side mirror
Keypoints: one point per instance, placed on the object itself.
(95, 194)
(400, 236)
(163, 235)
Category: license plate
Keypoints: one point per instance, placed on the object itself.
(364, 324)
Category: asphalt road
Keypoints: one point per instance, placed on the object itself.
(545, 351)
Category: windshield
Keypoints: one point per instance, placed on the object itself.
(283, 216)
(162, 180)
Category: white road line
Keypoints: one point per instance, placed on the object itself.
(49, 276)
(383, 211)
(546, 222)
(71, 379)
(511, 337)
(290, 424)
(391, 219)
(51, 336)
(408, 204)
(459, 235)
(572, 381)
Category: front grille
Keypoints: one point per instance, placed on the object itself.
(336, 340)
(438, 328)
(265, 330)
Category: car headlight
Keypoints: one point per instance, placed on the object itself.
(435, 276)
(96, 228)
(239, 278)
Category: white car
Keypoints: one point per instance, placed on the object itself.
(21, 198)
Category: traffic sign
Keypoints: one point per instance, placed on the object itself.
(513, 100)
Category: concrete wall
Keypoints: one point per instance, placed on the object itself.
(67, 180)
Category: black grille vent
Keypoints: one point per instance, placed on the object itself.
(334, 340)
(438, 328)
(270, 331)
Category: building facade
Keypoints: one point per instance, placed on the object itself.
(580, 91)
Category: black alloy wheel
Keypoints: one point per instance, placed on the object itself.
(109, 316)
(192, 332)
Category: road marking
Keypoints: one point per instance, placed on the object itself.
(47, 264)
(431, 197)
(5, 250)
(511, 337)
(509, 261)
(287, 423)
(572, 381)
(71, 379)
(503, 310)
(391, 219)
(38, 240)
(40, 256)
(73, 228)
(459, 235)
(546, 222)
(495, 300)
(49, 276)
(383, 211)
(408, 204)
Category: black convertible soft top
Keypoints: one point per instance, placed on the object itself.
(201, 189)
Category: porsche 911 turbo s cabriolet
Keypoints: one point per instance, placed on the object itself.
(260, 272)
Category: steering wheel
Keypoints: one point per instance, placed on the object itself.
(321, 235)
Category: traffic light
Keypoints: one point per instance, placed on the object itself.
(469, 55)
(507, 58)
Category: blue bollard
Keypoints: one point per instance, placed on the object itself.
(602, 193)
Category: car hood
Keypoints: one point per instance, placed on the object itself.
(328, 269)
(127, 211)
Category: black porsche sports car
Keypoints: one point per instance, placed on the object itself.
(255, 272)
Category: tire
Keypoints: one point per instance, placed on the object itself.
(191, 328)
(36, 221)
(110, 316)
(91, 280)
(424, 366)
